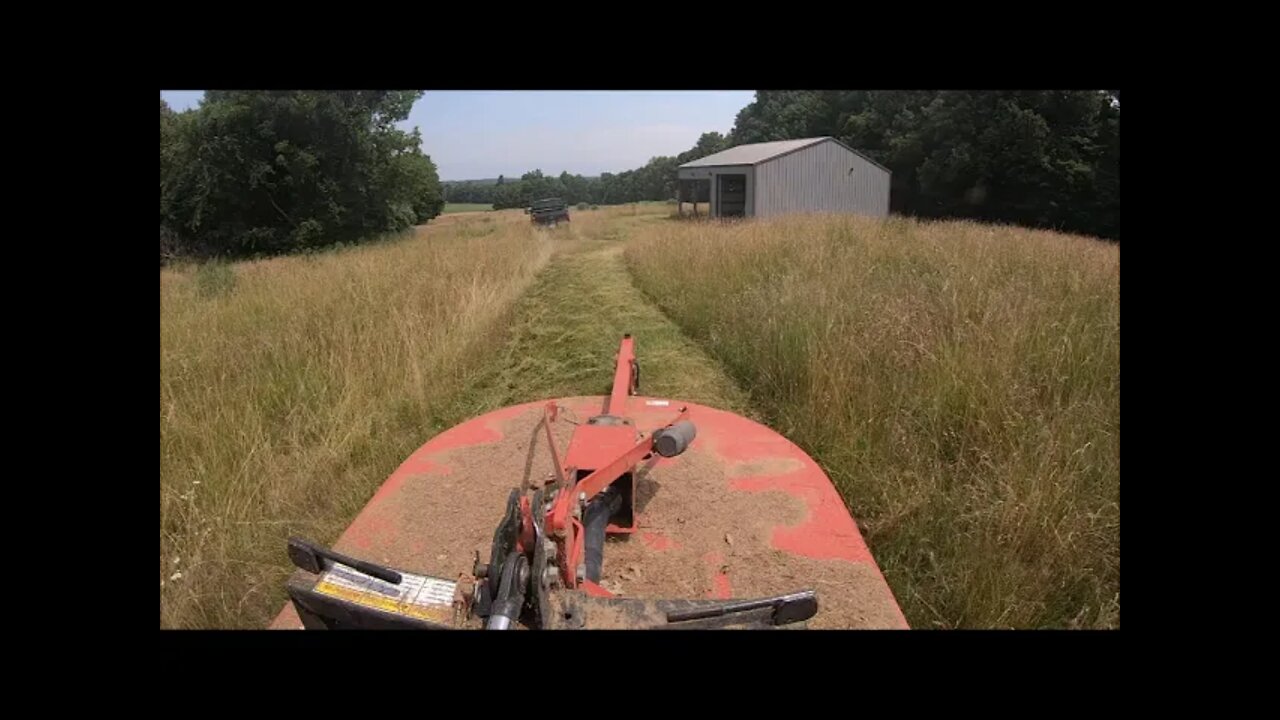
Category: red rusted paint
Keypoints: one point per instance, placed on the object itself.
(561, 514)
(425, 466)
(391, 485)
(658, 541)
(594, 447)
(287, 619)
(613, 468)
(828, 533)
(478, 431)
(767, 460)
(722, 590)
(720, 587)
(524, 543)
(595, 590)
(623, 379)
(376, 521)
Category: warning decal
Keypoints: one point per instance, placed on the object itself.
(416, 596)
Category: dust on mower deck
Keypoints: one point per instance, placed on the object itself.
(703, 537)
(743, 513)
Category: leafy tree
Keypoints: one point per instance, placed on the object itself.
(169, 139)
(708, 144)
(1048, 159)
(279, 171)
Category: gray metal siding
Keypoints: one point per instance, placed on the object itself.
(818, 179)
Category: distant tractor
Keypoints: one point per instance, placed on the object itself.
(549, 212)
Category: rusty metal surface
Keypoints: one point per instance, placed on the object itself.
(757, 461)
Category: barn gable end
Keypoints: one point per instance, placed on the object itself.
(775, 178)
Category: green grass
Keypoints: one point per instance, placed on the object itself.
(466, 207)
(959, 382)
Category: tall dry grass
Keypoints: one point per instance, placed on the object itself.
(960, 383)
(290, 388)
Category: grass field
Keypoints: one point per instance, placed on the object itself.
(465, 207)
(290, 388)
(564, 337)
(958, 382)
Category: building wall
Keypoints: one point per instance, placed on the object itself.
(709, 173)
(817, 179)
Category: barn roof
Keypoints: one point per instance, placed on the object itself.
(753, 153)
(756, 153)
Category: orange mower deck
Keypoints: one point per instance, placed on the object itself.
(742, 513)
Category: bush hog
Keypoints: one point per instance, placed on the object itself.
(614, 512)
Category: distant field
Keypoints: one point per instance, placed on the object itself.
(466, 207)
(959, 382)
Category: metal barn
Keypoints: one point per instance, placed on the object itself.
(772, 178)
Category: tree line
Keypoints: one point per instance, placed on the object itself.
(266, 172)
(1037, 158)
(253, 172)
(656, 180)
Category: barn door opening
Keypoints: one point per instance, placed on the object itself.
(731, 195)
(693, 195)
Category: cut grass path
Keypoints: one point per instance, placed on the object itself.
(292, 387)
(564, 339)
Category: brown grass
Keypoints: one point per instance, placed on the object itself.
(563, 338)
(290, 388)
(960, 383)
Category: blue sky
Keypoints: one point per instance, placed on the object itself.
(481, 134)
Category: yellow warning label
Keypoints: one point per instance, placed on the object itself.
(417, 596)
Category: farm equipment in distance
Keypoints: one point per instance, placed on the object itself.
(548, 212)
